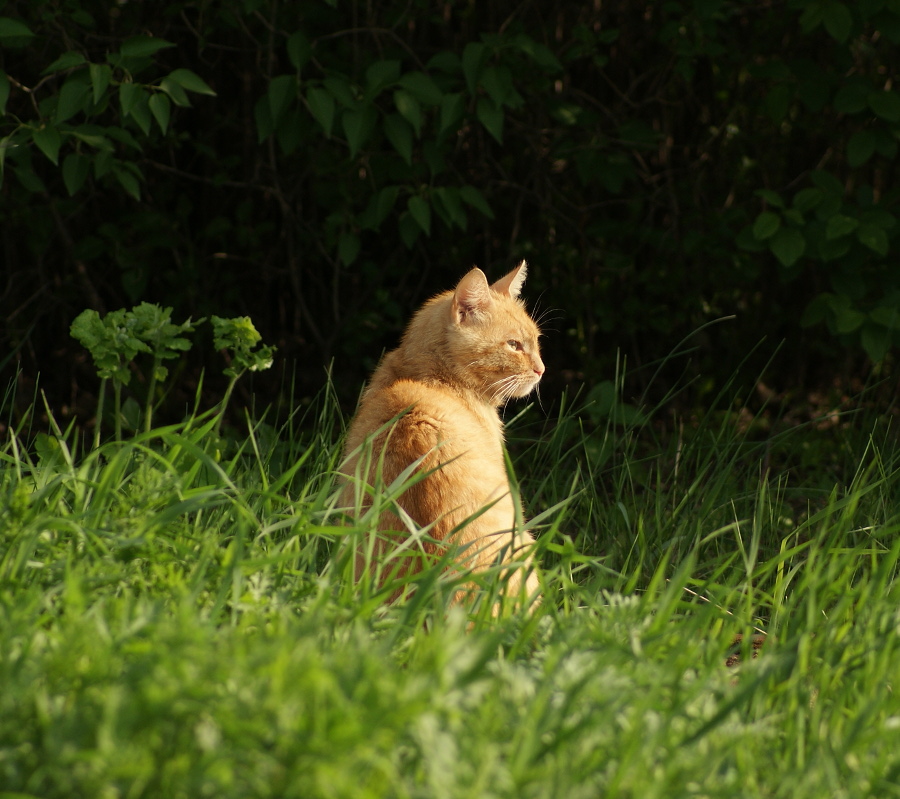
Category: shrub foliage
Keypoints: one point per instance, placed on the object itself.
(322, 167)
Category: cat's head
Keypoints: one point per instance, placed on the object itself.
(491, 340)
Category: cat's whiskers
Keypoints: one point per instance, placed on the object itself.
(507, 387)
(547, 315)
(500, 388)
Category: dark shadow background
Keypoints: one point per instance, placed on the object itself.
(625, 149)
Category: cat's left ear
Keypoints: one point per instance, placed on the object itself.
(472, 296)
(511, 284)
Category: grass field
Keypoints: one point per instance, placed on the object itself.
(177, 619)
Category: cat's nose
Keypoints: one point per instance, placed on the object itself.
(538, 366)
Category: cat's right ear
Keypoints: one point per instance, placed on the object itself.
(511, 283)
(472, 296)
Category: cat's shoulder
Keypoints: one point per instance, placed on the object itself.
(428, 400)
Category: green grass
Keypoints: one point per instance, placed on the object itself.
(177, 619)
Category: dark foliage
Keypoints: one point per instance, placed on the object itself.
(322, 168)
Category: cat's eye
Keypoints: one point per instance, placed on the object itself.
(515, 345)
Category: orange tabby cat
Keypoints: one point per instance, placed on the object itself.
(464, 354)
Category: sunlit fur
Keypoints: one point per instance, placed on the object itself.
(465, 353)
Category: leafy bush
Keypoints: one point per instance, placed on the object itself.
(322, 168)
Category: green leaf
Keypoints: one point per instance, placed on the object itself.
(853, 96)
(873, 237)
(348, 247)
(103, 162)
(847, 320)
(127, 180)
(793, 216)
(321, 106)
(827, 182)
(129, 94)
(142, 46)
(380, 75)
(543, 56)
(75, 170)
(806, 200)
(161, 108)
(447, 199)
(453, 106)
(93, 136)
(65, 61)
(400, 135)
(29, 180)
(72, 98)
(409, 109)
(380, 205)
(48, 141)
(299, 50)
(422, 87)
(191, 81)
(815, 312)
(5, 88)
(341, 90)
(473, 59)
(491, 117)
(497, 82)
(812, 16)
(860, 148)
(446, 61)
(880, 217)
(840, 225)
(13, 32)
(885, 105)
(838, 21)
(745, 240)
(773, 198)
(787, 245)
(846, 317)
(141, 113)
(420, 211)
(886, 315)
(766, 225)
(875, 340)
(100, 78)
(409, 230)
(282, 90)
(153, 325)
(240, 337)
(175, 91)
(358, 126)
(472, 196)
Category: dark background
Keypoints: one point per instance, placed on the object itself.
(661, 165)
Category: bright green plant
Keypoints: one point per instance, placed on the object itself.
(154, 326)
(239, 337)
(113, 341)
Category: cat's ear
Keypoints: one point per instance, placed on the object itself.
(472, 296)
(511, 284)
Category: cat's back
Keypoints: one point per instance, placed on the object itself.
(419, 415)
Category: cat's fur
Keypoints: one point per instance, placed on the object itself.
(464, 354)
